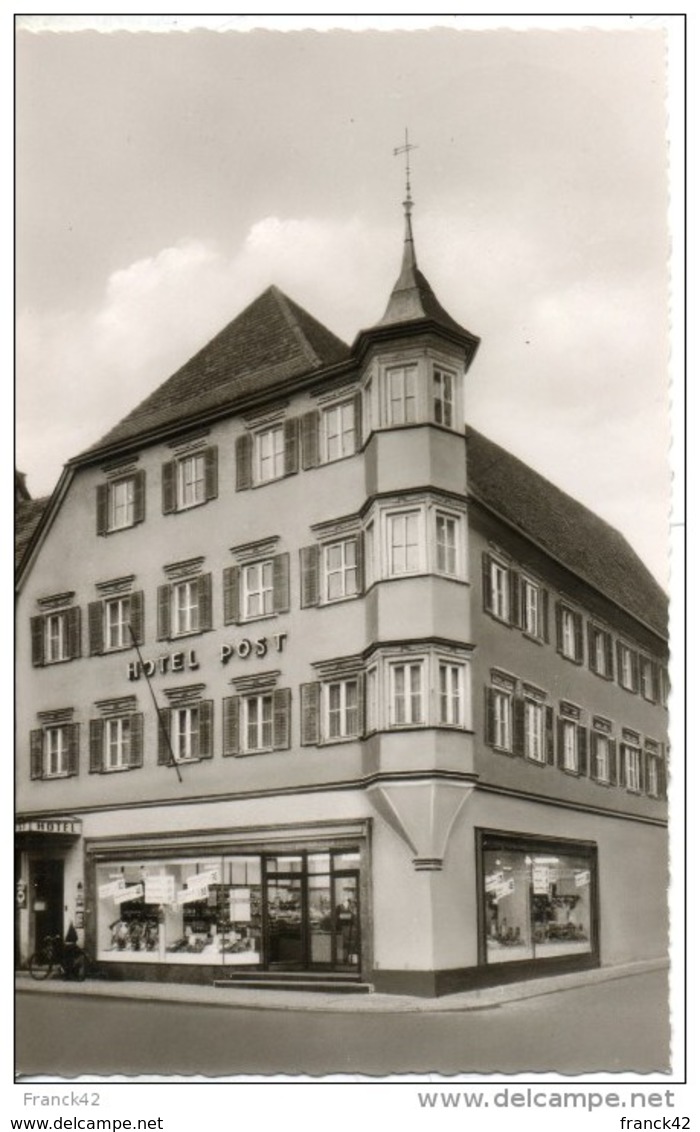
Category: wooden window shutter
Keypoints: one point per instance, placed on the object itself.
(291, 446)
(490, 717)
(36, 753)
(360, 563)
(310, 714)
(165, 757)
(558, 617)
(139, 496)
(206, 729)
(578, 637)
(591, 647)
(544, 615)
(612, 763)
(232, 595)
(514, 597)
(357, 410)
(211, 472)
(97, 745)
(102, 508)
(518, 726)
(593, 762)
(136, 617)
(73, 632)
(280, 583)
(663, 774)
(231, 725)
(619, 662)
(635, 672)
(609, 662)
(205, 601)
(310, 439)
(486, 582)
(309, 559)
(549, 735)
(37, 626)
(95, 628)
(164, 602)
(360, 705)
(136, 739)
(582, 746)
(169, 487)
(560, 742)
(244, 461)
(281, 718)
(73, 751)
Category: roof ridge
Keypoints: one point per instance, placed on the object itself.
(285, 305)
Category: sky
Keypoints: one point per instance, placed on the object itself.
(165, 179)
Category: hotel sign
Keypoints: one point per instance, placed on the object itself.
(64, 827)
(187, 660)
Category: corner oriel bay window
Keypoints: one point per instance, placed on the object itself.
(190, 480)
(416, 538)
(121, 503)
(54, 751)
(116, 743)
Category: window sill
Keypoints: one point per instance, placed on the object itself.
(255, 618)
(338, 600)
(115, 769)
(187, 507)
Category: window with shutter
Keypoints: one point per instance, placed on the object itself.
(339, 431)
(122, 503)
(340, 570)
(496, 588)
(569, 633)
(270, 454)
(341, 709)
(56, 637)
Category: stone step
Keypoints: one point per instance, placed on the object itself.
(295, 983)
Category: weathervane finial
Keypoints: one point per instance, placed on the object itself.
(406, 148)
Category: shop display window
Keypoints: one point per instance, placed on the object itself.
(537, 898)
(195, 910)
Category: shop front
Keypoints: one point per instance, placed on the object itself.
(538, 903)
(196, 913)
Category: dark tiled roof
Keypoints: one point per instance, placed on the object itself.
(28, 512)
(271, 341)
(578, 538)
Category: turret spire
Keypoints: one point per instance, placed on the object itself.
(409, 262)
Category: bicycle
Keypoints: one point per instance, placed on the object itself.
(54, 955)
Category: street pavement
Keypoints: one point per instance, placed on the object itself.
(615, 1020)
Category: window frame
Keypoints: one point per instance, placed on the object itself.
(58, 732)
(190, 473)
(343, 570)
(499, 577)
(262, 700)
(535, 744)
(276, 455)
(346, 731)
(185, 741)
(258, 588)
(56, 644)
(569, 746)
(404, 546)
(443, 549)
(453, 697)
(529, 589)
(632, 763)
(124, 605)
(108, 506)
(122, 744)
(341, 409)
(129, 504)
(399, 701)
(441, 377)
(502, 720)
(397, 418)
(185, 614)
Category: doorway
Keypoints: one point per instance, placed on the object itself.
(46, 899)
(311, 911)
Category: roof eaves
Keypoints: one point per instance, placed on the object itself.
(524, 533)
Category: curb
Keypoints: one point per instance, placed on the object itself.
(489, 998)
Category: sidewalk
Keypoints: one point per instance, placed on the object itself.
(487, 998)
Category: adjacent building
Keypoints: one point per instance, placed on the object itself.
(313, 682)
